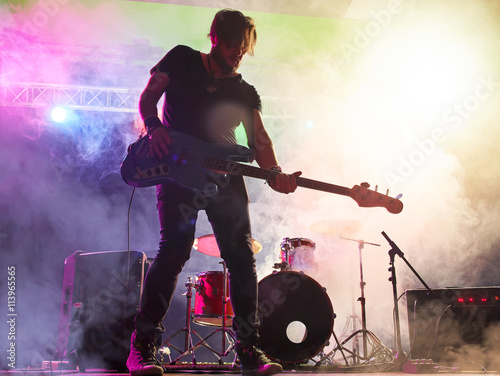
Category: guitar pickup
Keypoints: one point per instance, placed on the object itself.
(152, 172)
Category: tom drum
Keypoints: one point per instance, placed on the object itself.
(209, 299)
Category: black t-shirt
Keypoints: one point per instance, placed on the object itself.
(194, 104)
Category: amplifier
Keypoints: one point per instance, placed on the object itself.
(100, 297)
(452, 325)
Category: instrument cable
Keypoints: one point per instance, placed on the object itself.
(127, 284)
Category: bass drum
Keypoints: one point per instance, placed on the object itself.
(296, 316)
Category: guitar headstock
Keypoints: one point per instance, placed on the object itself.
(368, 198)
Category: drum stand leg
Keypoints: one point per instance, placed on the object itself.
(378, 350)
(328, 357)
(188, 339)
(228, 335)
(351, 324)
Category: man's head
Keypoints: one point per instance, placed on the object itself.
(234, 29)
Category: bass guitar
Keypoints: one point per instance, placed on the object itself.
(200, 166)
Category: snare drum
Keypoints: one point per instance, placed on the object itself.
(300, 253)
(208, 302)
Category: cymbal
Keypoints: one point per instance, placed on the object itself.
(207, 245)
(337, 227)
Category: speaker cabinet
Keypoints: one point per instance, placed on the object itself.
(100, 297)
(454, 325)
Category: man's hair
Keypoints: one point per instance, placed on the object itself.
(233, 27)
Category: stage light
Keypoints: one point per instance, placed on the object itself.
(59, 114)
(310, 124)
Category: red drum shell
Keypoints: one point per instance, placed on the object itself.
(208, 303)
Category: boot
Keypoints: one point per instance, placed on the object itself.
(142, 358)
(254, 362)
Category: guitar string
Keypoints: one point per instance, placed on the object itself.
(237, 167)
(219, 164)
(222, 165)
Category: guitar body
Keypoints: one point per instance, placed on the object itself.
(185, 163)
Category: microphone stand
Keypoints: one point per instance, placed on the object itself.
(392, 253)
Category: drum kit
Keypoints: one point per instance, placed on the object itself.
(294, 310)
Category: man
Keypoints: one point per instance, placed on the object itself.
(206, 97)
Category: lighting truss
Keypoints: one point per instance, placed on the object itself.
(78, 97)
(98, 98)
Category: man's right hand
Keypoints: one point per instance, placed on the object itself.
(159, 140)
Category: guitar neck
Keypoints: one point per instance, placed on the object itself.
(260, 173)
(321, 186)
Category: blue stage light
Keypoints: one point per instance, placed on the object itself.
(59, 114)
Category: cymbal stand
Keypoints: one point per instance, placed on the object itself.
(362, 284)
(353, 319)
(377, 348)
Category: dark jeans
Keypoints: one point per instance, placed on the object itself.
(228, 214)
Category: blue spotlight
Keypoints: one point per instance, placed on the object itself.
(59, 114)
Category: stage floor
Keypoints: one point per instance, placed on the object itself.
(215, 369)
(294, 373)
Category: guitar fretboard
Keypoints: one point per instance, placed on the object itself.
(260, 173)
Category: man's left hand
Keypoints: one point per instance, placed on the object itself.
(285, 183)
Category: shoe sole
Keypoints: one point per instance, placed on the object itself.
(152, 370)
(264, 371)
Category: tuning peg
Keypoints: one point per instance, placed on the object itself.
(376, 188)
(365, 185)
(387, 193)
(399, 196)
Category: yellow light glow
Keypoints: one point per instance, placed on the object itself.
(429, 70)
(410, 79)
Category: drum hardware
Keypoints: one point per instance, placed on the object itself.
(228, 336)
(188, 339)
(362, 299)
(227, 333)
(297, 254)
(212, 303)
(207, 310)
(378, 350)
(281, 265)
(286, 248)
